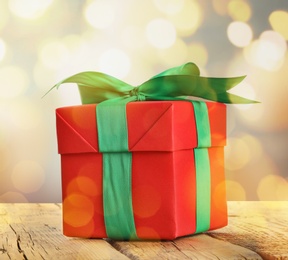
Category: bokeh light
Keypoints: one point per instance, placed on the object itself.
(278, 45)
(177, 53)
(4, 15)
(239, 33)
(279, 20)
(268, 87)
(220, 6)
(273, 187)
(73, 43)
(239, 10)
(235, 190)
(241, 151)
(237, 154)
(29, 9)
(146, 193)
(100, 14)
(268, 52)
(54, 54)
(133, 37)
(79, 210)
(13, 197)
(13, 81)
(5, 156)
(114, 62)
(28, 176)
(255, 146)
(2, 49)
(5, 134)
(83, 185)
(24, 114)
(198, 53)
(188, 19)
(169, 7)
(161, 33)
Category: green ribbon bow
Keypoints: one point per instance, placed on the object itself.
(173, 84)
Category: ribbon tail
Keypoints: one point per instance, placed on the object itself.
(188, 85)
(95, 87)
(221, 84)
(230, 98)
(216, 90)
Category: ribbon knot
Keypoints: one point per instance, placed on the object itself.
(135, 93)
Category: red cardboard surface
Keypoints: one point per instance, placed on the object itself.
(162, 138)
(163, 194)
(152, 126)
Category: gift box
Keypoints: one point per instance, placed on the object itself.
(152, 169)
(171, 185)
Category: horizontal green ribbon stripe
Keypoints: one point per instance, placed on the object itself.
(117, 194)
(203, 189)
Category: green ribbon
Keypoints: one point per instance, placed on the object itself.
(203, 189)
(173, 84)
(112, 127)
(117, 194)
(202, 167)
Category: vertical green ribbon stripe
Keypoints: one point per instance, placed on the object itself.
(117, 196)
(202, 166)
(202, 124)
(117, 161)
(203, 189)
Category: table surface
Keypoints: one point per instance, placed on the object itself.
(256, 230)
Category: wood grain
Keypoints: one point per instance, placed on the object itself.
(256, 230)
(34, 231)
(193, 247)
(259, 226)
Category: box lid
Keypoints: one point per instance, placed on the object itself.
(152, 126)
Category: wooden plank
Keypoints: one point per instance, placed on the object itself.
(34, 231)
(259, 226)
(193, 247)
(255, 230)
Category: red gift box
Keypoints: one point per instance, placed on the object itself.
(162, 137)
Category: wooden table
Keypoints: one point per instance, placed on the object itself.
(256, 230)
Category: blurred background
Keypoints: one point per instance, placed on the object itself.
(44, 41)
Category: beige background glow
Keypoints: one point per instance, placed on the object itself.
(44, 41)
